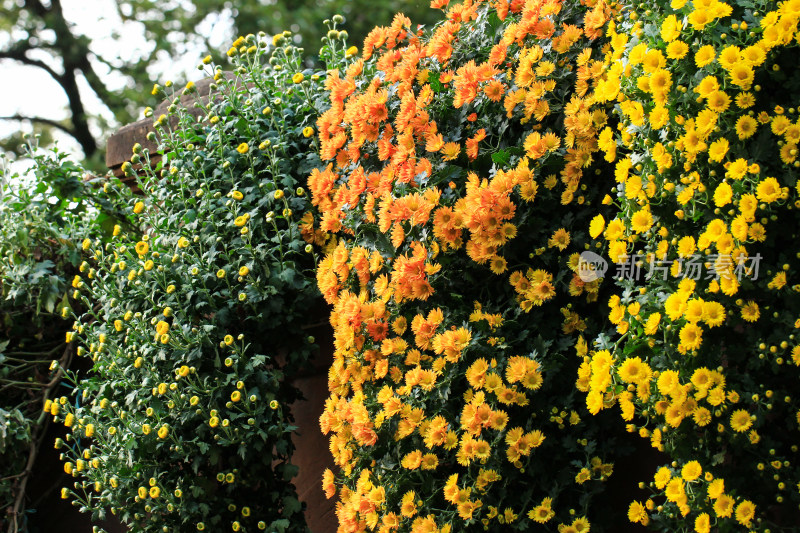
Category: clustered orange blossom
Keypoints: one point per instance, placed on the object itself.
(460, 153)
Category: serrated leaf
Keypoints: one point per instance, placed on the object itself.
(501, 158)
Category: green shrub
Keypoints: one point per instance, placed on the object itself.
(40, 214)
(194, 320)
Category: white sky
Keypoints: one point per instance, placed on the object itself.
(30, 91)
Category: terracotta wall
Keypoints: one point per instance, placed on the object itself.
(312, 455)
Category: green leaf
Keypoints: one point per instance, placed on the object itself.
(291, 505)
(501, 158)
(290, 471)
(436, 85)
(279, 526)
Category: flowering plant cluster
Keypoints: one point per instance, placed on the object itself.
(463, 164)
(702, 360)
(548, 229)
(194, 316)
(464, 151)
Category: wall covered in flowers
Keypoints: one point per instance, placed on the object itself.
(463, 168)
(557, 240)
(480, 346)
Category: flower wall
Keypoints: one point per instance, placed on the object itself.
(703, 360)
(552, 234)
(462, 180)
(478, 353)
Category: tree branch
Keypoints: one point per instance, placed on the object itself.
(41, 120)
(74, 54)
(37, 7)
(18, 54)
(112, 100)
